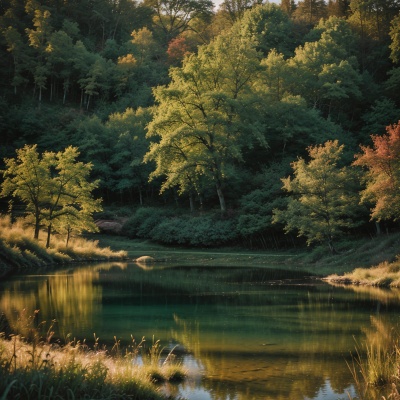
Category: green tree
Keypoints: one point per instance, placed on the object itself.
(52, 186)
(271, 27)
(38, 38)
(323, 198)
(27, 177)
(310, 11)
(325, 71)
(173, 17)
(207, 115)
(70, 193)
(130, 174)
(395, 39)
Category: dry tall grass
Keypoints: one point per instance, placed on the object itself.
(19, 251)
(383, 275)
(32, 366)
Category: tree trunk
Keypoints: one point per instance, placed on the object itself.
(221, 198)
(37, 225)
(68, 236)
(48, 236)
(331, 246)
(378, 228)
(191, 202)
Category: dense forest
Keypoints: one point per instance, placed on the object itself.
(207, 126)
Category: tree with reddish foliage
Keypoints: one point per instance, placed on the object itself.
(177, 49)
(383, 177)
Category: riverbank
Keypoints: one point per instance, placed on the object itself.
(365, 252)
(19, 252)
(384, 275)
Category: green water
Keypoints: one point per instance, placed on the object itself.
(243, 333)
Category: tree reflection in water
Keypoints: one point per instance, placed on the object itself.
(244, 333)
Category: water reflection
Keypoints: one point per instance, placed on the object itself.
(243, 333)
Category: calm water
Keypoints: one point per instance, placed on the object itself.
(243, 333)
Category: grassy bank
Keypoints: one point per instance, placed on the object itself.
(33, 366)
(385, 274)
(19, 252)
(316, 260)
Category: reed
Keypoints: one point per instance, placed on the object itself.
(375, 365)
(34, 366)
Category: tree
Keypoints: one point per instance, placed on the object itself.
(395, 39)
(310, 11)
(207, 115)
(130, 145)
(38, 39)
(235, 9)
(27, 177)
(322, 197)
(173, 17)
(70, 193)
(52, 186)
(383, 176)
(271, 27)
(325, 71)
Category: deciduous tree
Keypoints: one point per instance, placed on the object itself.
(52, 186)
(207, 115)
(322, 197)
(383, 176)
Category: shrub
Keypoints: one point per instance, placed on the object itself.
(205, 230)
(144, 221)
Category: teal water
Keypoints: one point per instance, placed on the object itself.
(243, 333)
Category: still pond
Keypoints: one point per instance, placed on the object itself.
(243, 333)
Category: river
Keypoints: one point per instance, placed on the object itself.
(243, 333)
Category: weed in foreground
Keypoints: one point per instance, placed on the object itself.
(375, 366)
(33, 366)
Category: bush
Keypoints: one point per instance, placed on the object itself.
(143, 221)
(206, 230)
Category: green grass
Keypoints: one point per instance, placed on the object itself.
(32, 366)
(316, 260)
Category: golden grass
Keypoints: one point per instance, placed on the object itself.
(19, 251)
(384, 274)
(32, 365)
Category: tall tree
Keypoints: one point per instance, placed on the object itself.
(383, 176)
(235, 9)
(173, 17)
(38, 38)
(310, 11)
(322, 198)
(207, 115)
(395, 39)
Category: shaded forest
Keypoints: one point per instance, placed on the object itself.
(208, 126)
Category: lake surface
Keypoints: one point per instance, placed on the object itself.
(243, 333)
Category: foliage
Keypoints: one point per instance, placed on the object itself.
(143, 221)
(250, 85)
(54, 188)
(383, 178)
(323, 199)
(207, 231)
(204, 117)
